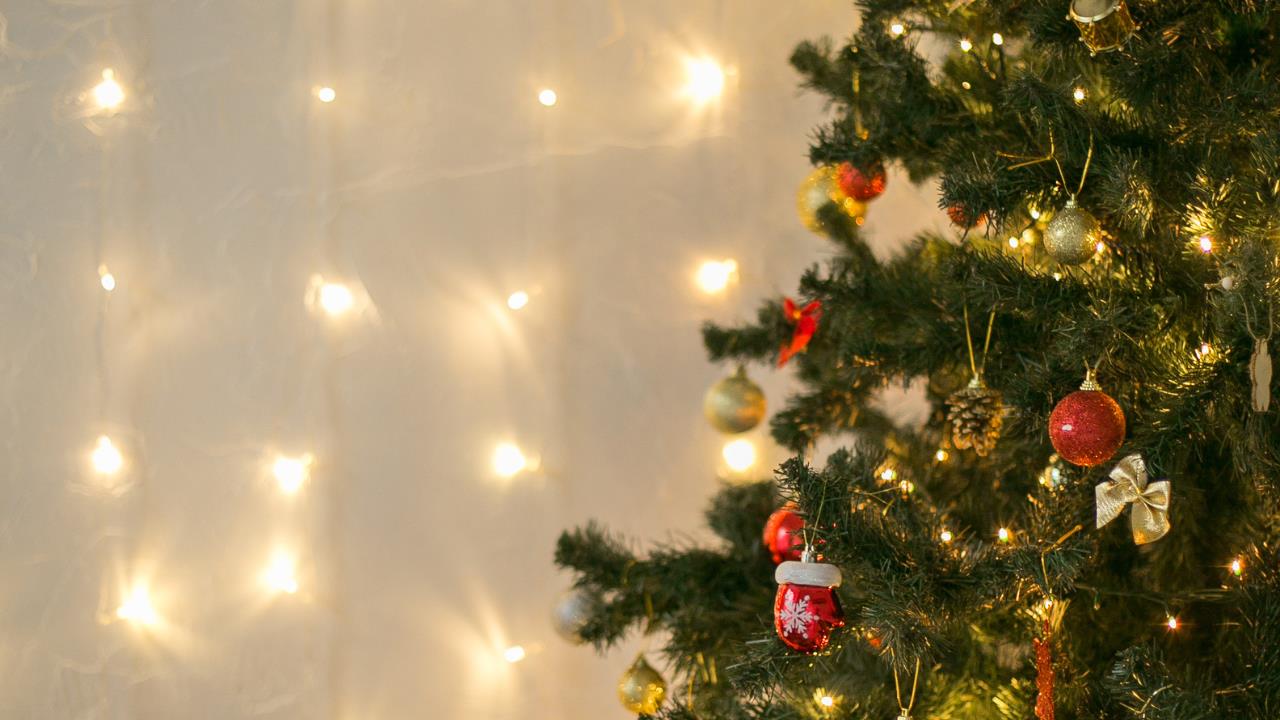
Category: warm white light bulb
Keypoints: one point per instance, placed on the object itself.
(106, 458)
(1004, 535)
(280, 574)
(997, 39)
(705, 79)
(1237, 567)
(1172, 622)
(326, 94)
(108, 94)
(336, 298)
(965, 45)
(517, 299)
(897, 28)
(137, 607)
(509, 460)
(291, 472)
(108, 281)
(739, 454)
(514, 654)
(946, 536)
(547, 97)
(715, 275)
(1099, 247)
(1204, 351)
(1079, 95)
(888, 474)
(827, 701)
(1206, 244)
(1013, 242)
(941, 455)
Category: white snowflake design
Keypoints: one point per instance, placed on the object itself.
(796, 616)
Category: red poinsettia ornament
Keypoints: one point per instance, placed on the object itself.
(782, 534)
(806, 321)
(806, 609)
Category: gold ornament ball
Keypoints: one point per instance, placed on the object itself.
(820, 188)
(641, 688)
(735, 404)
(1072, 236)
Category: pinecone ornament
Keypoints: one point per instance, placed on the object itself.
(976, 414)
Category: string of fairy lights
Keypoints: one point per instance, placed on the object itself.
(334, 299)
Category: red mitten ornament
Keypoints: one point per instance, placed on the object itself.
(807, 610)
(1087, 426)
(782, 534)
(858, 184)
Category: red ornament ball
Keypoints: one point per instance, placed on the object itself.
(859, 184)
(1087, 427)
(962, 217)
(782, 534)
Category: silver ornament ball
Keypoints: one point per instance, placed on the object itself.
(1072, 236)
(735, 404)
(571, 613)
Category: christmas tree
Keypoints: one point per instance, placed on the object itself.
(1086, 524)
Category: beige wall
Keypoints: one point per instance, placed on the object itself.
(435, 185)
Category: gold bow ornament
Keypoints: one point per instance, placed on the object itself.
(1128, 486)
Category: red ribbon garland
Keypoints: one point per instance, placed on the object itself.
(1044, 675)
(806, 321)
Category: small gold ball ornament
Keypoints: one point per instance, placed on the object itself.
(1072, 236)
(641, 688)
(822, 187)
(735, 404)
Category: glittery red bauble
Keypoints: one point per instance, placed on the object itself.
(806, 615)
(1086, 427)
(858, 184)
(961, 217)
(782, 534)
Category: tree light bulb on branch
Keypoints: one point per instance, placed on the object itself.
(705, 79)
(966, 45)
(106, 457)
(715, 275)
(108, 94)
(1171, 622)
(1079, 94)
(739, 454)
(105, 277)
(1004, 535)
(897, 28)
(1206, 244)
(997, 39)
(1237, 567)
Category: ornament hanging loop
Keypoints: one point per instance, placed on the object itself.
(978, 369)
(905, 710)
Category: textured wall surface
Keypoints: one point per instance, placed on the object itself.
(434, 185)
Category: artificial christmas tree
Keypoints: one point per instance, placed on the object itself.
(993, 584)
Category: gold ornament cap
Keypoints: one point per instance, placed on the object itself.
(1090, 381)
(1104, 25)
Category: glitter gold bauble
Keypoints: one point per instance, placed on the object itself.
(1072, 236)
(820, 188)
(641, 688)
(735, 404)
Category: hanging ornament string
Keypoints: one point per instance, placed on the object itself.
(1084, 173)
(977, 369)
(905, 710)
